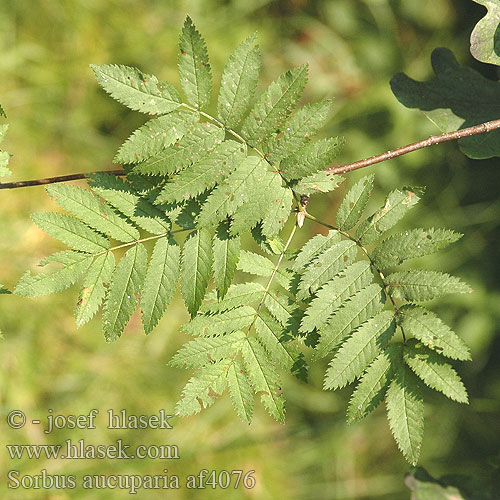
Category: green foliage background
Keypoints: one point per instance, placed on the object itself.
(61, 122)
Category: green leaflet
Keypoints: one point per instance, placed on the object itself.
(274, 106)
(320, 182)
(93, 289)
(87, 207)
(484, 42)
(237, 295)
(311, 158)
(232, 192)
(264, 378)
(411, 244)
(121, 299)
(160, 281)
(196, 268)
(432, 368)
(360, 350)
(4, 156)
(202, 389)
(430, 330)
(331, 295)
(194, 68)
(121, 195)
(314, 247)
(405, 411)
(297, 130)
(156, 135)
(74, 266)
(265, 198)
(362, 306)
(284, 310)
(326, 266)
(396, 205)
(207, 172)
(137, 90)
(421, 285)
(352, 206)
(240, 391)
(205, 350)
(371, 388)
(238, 83)
(220, 323)
(71, 231)
(195, 144)
(282, 351)
(226, 250)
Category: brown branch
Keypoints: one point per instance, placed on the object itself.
(430, 141)
(341, 169)
(60, 178)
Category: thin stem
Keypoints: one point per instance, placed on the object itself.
(59, 178)
(372, 262)
(430, 141)
(275, 270)
(135, 242)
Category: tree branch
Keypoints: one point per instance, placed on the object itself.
(430, 141)
(59, 178)
(341, 169)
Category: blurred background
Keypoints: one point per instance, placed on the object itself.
(61, 122)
